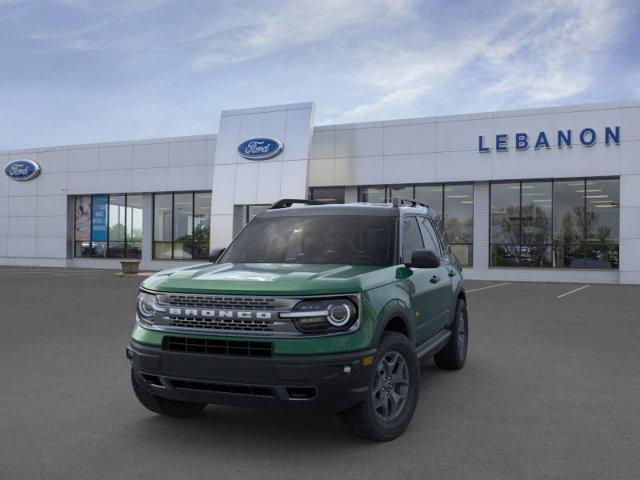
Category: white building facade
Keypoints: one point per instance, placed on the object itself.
(549, 194)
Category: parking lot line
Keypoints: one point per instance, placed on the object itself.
(488, 286)
(573, 291)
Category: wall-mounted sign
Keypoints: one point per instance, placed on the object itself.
(22, 170)
(564, 138)
(99, 218)
(260, 148)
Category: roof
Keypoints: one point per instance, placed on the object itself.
(359, 209)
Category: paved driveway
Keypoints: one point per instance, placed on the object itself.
(551, 390)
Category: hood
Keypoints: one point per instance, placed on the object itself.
(270, 279)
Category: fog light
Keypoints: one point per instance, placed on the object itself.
(368, 360)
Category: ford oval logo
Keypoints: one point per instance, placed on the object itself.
(22, 170)
(260, 148)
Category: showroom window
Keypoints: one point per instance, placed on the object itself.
(250, 211)
(563, 224)
(181, 225)
(108, 226)
(327, 194)
(453, 206)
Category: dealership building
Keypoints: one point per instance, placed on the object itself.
(547, 194)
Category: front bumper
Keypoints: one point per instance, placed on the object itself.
(323, 383)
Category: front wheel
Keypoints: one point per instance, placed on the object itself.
(393, 392)
(454, 354)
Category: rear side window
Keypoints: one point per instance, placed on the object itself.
(411, 237)
(430, 239)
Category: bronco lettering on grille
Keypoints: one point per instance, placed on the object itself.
(214, 313)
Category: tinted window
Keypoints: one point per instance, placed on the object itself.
(411, 237)
(321, 239)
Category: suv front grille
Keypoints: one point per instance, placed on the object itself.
(214, 301)
(222, 324)
(208, 346)
(254, 390)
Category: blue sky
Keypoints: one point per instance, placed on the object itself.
(77, 71)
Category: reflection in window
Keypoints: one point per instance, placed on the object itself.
(568, 223)
(108, 226)
(565, 224)
(201, 224)
(182, 224)
(372, 194)
(253, 210)
(452, 204)
(432, 196)
(117, 219)
(162, 225)
(327, 194)
(458, 220)
(134, 226)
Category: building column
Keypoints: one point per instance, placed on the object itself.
(147, 227)
(629, 229)
(481, 216)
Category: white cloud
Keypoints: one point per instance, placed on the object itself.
(543, 52)
(287, 25)
(554, 63)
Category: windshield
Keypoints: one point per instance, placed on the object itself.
(319, 239)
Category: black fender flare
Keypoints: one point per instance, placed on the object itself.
(395, 309)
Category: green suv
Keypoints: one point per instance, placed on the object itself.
(326, 308)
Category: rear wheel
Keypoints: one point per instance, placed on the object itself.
(164, 406)
(393, 392)
(453, 356)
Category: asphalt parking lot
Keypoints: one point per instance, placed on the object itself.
(551, 390)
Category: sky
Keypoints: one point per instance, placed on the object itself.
(80, 71)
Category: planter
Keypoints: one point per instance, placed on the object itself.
(130, 266)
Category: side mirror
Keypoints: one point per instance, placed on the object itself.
(425, 259)
(215, 254)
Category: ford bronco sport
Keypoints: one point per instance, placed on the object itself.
(327, 308)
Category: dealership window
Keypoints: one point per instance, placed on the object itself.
(452, 204)
(327, 194)
(252, 210)
(108, 226)
(564, 224)
(181, 225)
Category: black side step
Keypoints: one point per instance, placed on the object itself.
(430, 347)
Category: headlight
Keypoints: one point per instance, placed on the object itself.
(146, 306)
(323, 315)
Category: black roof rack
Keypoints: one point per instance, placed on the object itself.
(287, 202)
(399, 201)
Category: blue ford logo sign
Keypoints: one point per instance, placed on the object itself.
(22, 170)
(260, 148)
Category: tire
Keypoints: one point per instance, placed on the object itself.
(164, 406)
(454, 354)
(368, 419)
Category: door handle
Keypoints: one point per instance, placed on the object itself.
(434, 279)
